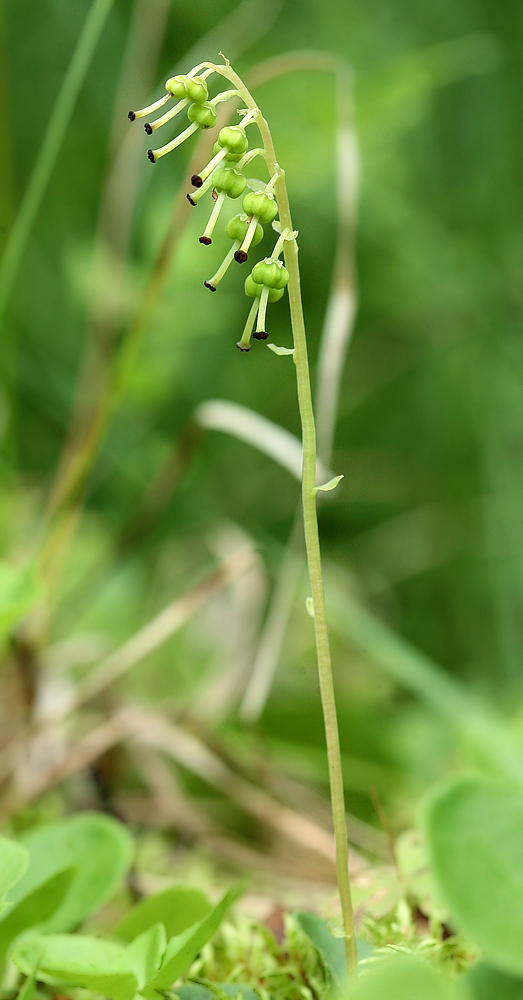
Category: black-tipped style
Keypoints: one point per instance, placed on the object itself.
(151, 156)
(148, 128)
(241, 256)
(131, 116)
(208, 285)
(196, 181)
(206, 240)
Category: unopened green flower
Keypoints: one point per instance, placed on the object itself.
(270, 272)
(229, 180)
(237, 227)
(235, 230)
(254, 290)
(261, 204)
(196, 88)
(203, 114)
(261, 207)
(233, 139)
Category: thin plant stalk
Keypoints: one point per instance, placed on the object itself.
(51, 144)
(310, 524)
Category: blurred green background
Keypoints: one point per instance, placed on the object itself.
(427, 527)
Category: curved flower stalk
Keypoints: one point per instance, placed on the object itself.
(266, 283)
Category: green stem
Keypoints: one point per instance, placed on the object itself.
(50, 148)
(310, 523)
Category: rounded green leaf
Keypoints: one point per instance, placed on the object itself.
(475, 837)
(177, 908)
(402, 978)
(14, 860)
(486, 983)
(35, 909)
(77, 961)
(99, 848)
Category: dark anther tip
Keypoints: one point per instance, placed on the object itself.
(208, 285)
(148, 128)
(240, 256)
(131, 116)
(206, 240)
(196, 181)
(214, 195)
(260, 335)
(191, 202)
(151, 156)
(242, 348)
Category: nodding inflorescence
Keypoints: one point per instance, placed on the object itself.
(223, 176)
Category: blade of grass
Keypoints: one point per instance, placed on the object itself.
(51, 144)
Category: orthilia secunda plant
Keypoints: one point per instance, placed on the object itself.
(265, 204)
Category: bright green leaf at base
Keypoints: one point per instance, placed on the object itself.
(77, 961)
(14, 860)
(183, 949)
(176, 908)
(489, 984)
(144, 955)
(98, 847)
(35, 908)
(475, 837)
(402, 978)
(331, 949)
(196, 991)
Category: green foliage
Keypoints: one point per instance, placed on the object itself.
(14, 860)
(146, 952)
(183, 949)
(486, 983)
(37, 907)
(77, 961)
(402, 978)
(330, 947)
(20, 590)
(176, 908)
(99, 849)
(474, 835)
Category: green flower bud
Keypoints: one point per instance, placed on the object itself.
(236, 229)
(262, 205)
(271, 273)
(229, 180)
(232, 157)
(254, 290)
(196, 89)
(233, 138)
(203, 114)
(176, 86)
